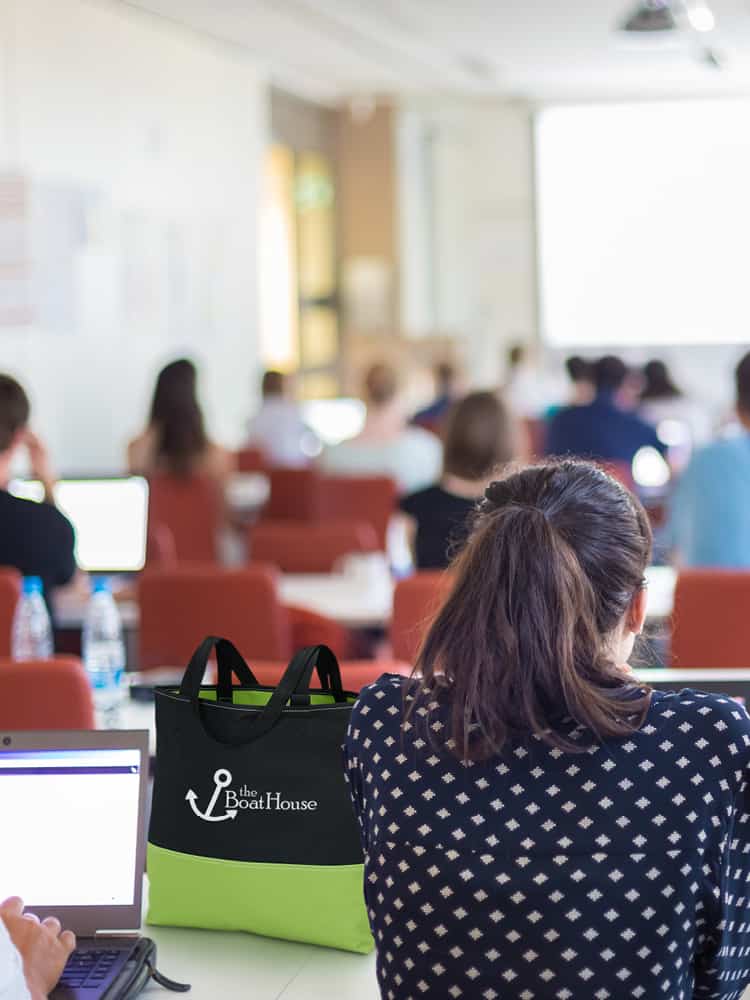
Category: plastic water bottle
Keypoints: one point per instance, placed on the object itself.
(104, 652)
(32, 630)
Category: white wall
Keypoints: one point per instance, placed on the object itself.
(153, 135)
(466, 171)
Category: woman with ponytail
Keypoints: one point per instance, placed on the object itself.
(536, 822)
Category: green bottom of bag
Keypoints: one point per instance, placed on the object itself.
(317, 904)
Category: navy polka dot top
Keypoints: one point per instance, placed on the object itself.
(623, 871)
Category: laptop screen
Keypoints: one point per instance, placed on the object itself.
(110, 517)
(73, 837)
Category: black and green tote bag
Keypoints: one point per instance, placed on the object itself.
(251, 826)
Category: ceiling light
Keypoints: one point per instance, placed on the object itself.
(701, 17)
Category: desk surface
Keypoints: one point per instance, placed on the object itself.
(357, 604)
(233, 965)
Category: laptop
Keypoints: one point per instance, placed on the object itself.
(110, 517)
(74, 845)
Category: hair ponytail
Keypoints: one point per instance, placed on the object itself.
(521, 643)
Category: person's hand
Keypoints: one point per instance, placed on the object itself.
(41, 467)
(44, 947)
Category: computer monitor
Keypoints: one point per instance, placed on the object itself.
(110, 518)
(74, 831)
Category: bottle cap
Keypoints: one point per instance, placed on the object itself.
(33, 585)
(100, 585)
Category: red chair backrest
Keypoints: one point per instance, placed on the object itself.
(416, 601)
(361, 498)
(45, 694)
(191, 509)
(299, 547)
(10, 591)
(710, 621)
(179, 607)
(251, 460)
(355, 674)
(294, 495)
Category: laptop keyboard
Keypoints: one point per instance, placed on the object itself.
(89, 968)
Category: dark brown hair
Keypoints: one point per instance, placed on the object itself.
(658, 382)
(272, 384)
(14, 410)
(478, 437)
(176, 415)
(742, 380)
(381, 384)
(555, 559)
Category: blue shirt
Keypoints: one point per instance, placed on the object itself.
(622, 871)
(600, 430)
(709, 522)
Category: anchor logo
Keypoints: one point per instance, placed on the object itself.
(222, 778)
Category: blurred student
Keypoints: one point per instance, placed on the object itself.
(478, 438)
(662, 402)
(581, 375)
(278, 428)
(387, 445)
(175, 441)
(35, 538)
(535, 821)
(527, 388)
(32, 953)
(709, 522)
(602, 429)
(447, 391)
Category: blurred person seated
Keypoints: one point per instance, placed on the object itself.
(386, 445)
(667, 409)
(32, 954)
(175, 441)
(278, 428)
(447, 391)
(526, 805)
(604, 429)
(527, 389)
(477, 440)
(581, 375)
(35, 538)
(709, 520)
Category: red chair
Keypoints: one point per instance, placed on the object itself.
(362, 498)
(710, 621)
(298, 547)
(161, 549)
(192, 510)
(416, 601)
(294, 495)
(251, 460)
(355, 674)
(45, 694)
(181, 606)
(10, 591)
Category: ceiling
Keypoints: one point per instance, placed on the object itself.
(332, 50)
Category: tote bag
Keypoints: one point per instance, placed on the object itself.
(251, 826)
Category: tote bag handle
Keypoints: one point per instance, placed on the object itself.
(228, 661)
(295, 681)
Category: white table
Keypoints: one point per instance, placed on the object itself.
(231, 965)
(348, 601)
(357, 604)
